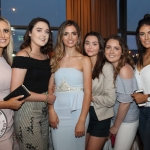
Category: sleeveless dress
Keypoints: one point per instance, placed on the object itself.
(31, 120)
(69, 98)
(5, 79)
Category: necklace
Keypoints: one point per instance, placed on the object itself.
(35, 54)
(30, 51)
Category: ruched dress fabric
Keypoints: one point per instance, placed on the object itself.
(31, 120)
(69, 98)
(5, 79)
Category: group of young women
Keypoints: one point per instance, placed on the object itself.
(81, 91)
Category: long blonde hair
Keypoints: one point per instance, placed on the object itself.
(8, 50)
(59, 49)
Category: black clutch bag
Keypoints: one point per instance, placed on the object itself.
(21, 90)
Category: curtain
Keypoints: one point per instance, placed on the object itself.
(93, 15)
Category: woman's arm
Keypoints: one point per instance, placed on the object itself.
(126, 73)
(53, 118)
(51, 85)
(122, 111)
(87, 75)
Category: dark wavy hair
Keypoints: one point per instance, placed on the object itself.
(125, 57)
(48, 47)
(141, 48)
(100, 56)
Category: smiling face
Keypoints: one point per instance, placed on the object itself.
(113, 51)
(40, 34)
(144, 35)
(70, 36)
(91, 46)
(4, 34)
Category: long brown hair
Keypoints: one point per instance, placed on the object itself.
(48, 47)
(100, 56)
(59, 49)
(125, 57)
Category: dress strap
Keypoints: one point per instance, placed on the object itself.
(27, 53)
(47, 56)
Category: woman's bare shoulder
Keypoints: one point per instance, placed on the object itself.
(23, 52)
(126, 72)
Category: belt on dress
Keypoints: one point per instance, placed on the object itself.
(65, 87)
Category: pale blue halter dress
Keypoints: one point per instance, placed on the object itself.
(69, 98)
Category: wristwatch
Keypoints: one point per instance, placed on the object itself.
(148, 99)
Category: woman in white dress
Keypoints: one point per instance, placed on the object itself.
(142, 73)
(72, 77)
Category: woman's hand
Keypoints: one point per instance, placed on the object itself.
(53, 119)
(113, 130)
(80, 129)
(51, 99)
(139, 98)
(14, 102)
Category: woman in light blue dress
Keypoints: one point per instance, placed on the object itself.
(72, 79)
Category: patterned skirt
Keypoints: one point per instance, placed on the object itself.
(32, 127)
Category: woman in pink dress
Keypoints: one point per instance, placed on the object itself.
(6, 107)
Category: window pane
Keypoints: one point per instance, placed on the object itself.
(20, 12)
(18, 38)
(54, 36)
(131, 41)
(136, 9)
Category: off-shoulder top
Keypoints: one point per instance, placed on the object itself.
(124, 89)
(38, 72)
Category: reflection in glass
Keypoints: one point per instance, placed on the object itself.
(18, 38)
(131, 41)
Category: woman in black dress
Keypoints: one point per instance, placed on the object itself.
(31, 67)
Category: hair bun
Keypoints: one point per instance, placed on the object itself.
(146, 16)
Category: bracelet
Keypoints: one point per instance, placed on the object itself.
(148, 99)
(46, 101)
